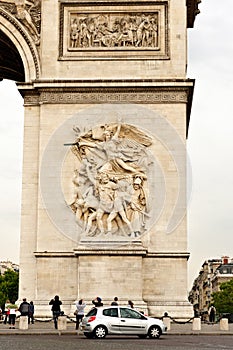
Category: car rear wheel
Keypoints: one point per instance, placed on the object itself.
(100, 332)
(154, 332)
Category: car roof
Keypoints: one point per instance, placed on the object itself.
(115, 307)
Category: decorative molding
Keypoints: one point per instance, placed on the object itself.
(103, 96)
(32, 99)
(173, 255)
(113, 30)
(110, 251)
(46, 254)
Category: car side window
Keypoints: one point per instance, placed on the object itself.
(111, 312)
(128, 313)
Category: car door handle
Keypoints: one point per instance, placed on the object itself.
(122, 320)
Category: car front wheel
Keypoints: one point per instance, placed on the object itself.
(100, 332)
(88, 335)
(154, 332)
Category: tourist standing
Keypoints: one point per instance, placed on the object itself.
(56, 309)
(97, 302)
(12, 307)
(24, 308)
(79, 312)
(212, 313)
(6, 311)
(31, 313)
(130, 304)
(114, 302)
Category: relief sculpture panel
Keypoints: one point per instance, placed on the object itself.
(111, 181)
(113, 31)
(99, 31)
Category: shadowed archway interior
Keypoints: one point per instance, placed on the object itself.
(11, 65)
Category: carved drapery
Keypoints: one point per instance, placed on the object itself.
(110, 183)
(28, 13)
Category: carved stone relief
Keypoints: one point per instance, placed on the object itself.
(111, 183)
(28, 12)
(99, 31)
(114, 30)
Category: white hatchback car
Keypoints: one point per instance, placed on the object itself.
(120, 320)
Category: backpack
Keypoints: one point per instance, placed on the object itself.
(24, 307)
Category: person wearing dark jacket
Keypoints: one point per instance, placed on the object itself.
(56, 309)
(114, 302)
(97, 302)
(31, 313)
(24, 308)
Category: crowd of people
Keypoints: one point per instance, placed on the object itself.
(27, 309)
(80, 307)
(11, 308)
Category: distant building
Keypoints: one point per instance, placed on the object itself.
(212, 274)
(223, 273)
(8, 265)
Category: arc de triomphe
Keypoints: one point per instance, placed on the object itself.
(107, 105)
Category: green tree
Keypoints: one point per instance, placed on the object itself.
(223, 300)
(9, 285)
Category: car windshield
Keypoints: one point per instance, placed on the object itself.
(92, 312)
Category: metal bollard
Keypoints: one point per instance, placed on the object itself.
(23, 322)
(223, 324)
(196, 324)
(62, 323)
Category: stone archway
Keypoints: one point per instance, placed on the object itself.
(19, 58)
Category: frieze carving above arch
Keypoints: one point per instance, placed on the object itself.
(28, 12)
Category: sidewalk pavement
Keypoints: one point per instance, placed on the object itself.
(47, 328)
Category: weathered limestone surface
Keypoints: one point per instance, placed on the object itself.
(117, 73)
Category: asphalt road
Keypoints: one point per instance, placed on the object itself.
(75, 342)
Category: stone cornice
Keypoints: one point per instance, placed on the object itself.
(107, 91)
(78, 83)
(137, 91)
(172, 255)
(47, 254)
(130, 251)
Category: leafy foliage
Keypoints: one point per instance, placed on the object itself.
(9, 284)
(223, 300)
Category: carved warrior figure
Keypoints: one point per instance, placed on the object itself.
(135, 30)
(28, 13)
(111, 182)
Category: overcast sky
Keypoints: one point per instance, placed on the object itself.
(210, 143)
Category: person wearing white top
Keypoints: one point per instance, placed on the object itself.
(79, 312)
(12, 307)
